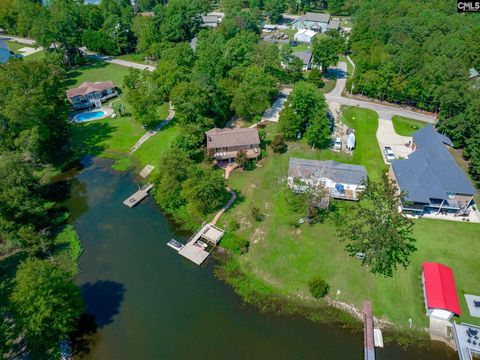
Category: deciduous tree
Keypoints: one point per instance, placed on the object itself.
(378, 230)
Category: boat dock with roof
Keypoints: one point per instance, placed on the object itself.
(201, 244)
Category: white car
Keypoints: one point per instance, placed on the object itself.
(389, 155)
(337, 145)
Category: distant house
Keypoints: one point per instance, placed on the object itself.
(210, 20)
(431, 178)
(146, 14)
(306, 57)
(343, 181)
(5, 53)
(333, 24)
(312, 21)
(304, 36)
(225, 143)
(441, 299)
(90, 94)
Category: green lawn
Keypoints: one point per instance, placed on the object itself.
(97, 71)
(405, 126)
(137, 58)
(287, 258)
(301, 47)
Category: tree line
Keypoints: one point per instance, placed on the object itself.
(419, 54)
(39, 306)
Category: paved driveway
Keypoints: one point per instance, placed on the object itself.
(273, 113)
(386, 136)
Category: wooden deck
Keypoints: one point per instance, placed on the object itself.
(138, 196)
(368, 334)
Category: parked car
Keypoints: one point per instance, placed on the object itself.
(337, 145)
(389, 155)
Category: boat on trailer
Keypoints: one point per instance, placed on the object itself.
(174, 244)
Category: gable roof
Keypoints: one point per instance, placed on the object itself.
(316, 17)
(219, 138)
(440, 290)
(305, 56)
(87, 87)
(307, 32)
(333, 24)
(430, 172)
(330, 169)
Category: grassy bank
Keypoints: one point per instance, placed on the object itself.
(286, 257)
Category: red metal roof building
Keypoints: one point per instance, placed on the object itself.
(440, 293)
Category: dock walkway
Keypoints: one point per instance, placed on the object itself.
(141, 194)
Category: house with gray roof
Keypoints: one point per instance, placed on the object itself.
(342, 181)
(5, 53)
(226, 143)
(306, 57)
(210, 20)
(430, 178)
(473, 74)
(312, 21)
(333, 24)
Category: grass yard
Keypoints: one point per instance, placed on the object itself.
(97, 71)
(301, 47)
(287, 257)
(405, 126)
(137, 58)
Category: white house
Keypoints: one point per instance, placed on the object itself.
(343, 181)
(5, 53)
(441, 300)
(90, 94)
(304, 36)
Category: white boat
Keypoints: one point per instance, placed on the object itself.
(202, 244)
(174, 244)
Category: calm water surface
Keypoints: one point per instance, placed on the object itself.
(150, 303)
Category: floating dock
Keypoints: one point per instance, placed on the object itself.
(141, 194)
(146, 170)
(194, 251)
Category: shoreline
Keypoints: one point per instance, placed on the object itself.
(329, 312)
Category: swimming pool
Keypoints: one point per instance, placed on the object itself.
(88, 116)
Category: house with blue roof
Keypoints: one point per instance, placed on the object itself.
(431, 179)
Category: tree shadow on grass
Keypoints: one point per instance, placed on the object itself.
(89, 138)
(76, 72)
(103, 300)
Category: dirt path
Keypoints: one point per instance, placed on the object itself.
(225, 207)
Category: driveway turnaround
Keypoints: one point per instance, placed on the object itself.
(384, 111)
(387, 136)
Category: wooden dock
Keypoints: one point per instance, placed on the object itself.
(368, 333)
(194, 251)
(141, 194)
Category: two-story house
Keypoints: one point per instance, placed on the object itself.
(89, 94)
(430, 177)
(226, 143)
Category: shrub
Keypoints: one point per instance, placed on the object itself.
(242, 158)
(236, 244)
(278, 144)
(256, 214)
(233, 225)
(315, 77)
(318, 287)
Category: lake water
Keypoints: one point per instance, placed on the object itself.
(151, 303)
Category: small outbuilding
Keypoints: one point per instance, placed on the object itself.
(439, 290)
(304, 36)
